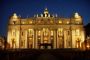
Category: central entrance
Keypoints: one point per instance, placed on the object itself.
(46, 46)
(45, 38)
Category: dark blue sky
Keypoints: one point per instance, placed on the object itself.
(64, 8)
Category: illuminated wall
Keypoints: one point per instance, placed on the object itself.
(45, 31)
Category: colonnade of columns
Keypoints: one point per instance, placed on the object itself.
(51, 38)
(55, 40)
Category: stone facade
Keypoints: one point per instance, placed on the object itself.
(45, 31)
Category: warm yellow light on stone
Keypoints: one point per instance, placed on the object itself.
(45, 38)
(30, 22)
(23, 22)
(51, 33)
(77, 32)
(60, 22)
(45, 41)
(45, 28)
(88, 46)
(51, 21)
(67, 22)
(60, 29)
(39, 33)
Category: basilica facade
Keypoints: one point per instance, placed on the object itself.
(45, 31)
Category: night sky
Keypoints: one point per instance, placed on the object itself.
(64, 8)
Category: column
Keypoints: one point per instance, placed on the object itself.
(65, 39)
(33, 38)
(82, 36)
(36, 41)
(26, 39)
(71, 38)
(55, 35)
(57, 39)
(49, 36)
(41, 38)
(17, 38)
(19, 29)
